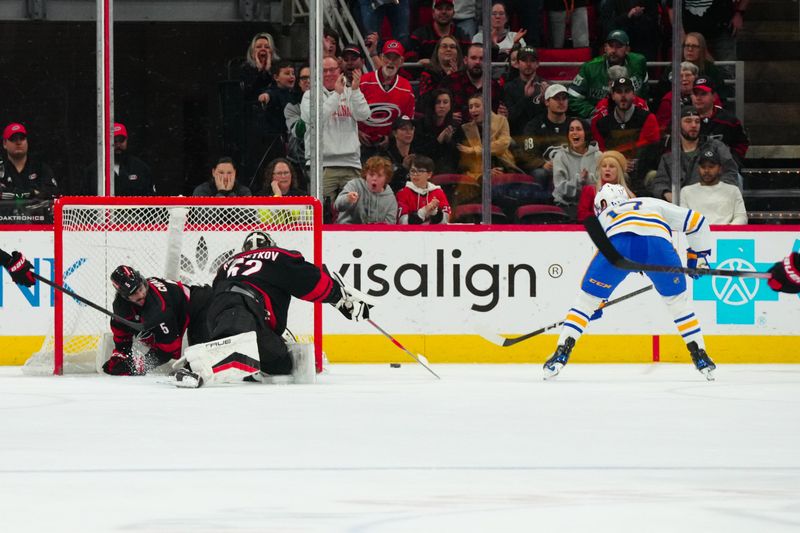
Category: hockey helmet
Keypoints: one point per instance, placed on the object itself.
(126, 280)
(610, 195)
(257, 239)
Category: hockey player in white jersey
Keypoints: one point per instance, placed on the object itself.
(641, 229)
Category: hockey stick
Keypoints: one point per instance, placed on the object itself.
(419, 358)
(603, 243)
(505, 342)
(136, 326)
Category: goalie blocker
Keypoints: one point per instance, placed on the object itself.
(253, 291)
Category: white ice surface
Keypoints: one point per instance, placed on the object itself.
(489, 448)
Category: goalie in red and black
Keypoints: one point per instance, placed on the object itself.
(253, 290)
(166, 309)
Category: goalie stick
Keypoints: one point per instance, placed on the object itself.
(136, 326)
(419, 358)
(505, 342)
(604, 244)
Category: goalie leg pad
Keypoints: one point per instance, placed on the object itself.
(226, 360)
(305, 370)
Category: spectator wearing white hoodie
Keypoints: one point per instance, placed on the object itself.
(343, 105)
(574, 165)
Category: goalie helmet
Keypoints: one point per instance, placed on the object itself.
(610, 195)
(126, 280)
(257, 239)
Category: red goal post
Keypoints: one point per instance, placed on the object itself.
(172, 237)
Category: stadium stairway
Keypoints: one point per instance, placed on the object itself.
(769, 44)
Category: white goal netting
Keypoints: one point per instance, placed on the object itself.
(184, 239)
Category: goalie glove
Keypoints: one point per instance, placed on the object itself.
(693, 260)
(353, 304)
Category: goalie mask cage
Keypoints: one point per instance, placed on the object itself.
(177, 238)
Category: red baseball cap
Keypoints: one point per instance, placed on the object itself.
(120, 129)
(12, 129)
(393, 47)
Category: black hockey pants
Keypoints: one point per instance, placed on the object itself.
(231, 312)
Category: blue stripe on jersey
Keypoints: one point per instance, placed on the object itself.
(684, 318)
(686, 221)
(584, 315)
(691, 332)
(573, 326)
(628, 218)
(699, 225)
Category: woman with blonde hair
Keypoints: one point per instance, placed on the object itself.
(255, 75)
(610, 169)
(470, 144)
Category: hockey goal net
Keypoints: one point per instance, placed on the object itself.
(177, 238)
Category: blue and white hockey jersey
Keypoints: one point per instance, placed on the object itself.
(656, 218)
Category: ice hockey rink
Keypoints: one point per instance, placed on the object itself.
(371, 448)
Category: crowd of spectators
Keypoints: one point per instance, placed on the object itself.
(391, 130)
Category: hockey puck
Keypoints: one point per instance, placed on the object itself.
(394, 365)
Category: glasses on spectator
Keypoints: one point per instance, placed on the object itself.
(282, 173)
(691, 46)
(329, 70)
(305, 78)
(448, 45)
(414, 170)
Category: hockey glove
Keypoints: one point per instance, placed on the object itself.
(786, 275)
(693, 260)
(353, 304)
(20, 269)
(123, 364)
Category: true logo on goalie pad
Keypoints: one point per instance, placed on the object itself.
(225, 360)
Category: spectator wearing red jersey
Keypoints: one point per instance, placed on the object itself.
(389, 97)
(422, 202)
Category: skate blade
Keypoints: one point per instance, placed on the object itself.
(550, 373)
(188, 380)
(708, 373)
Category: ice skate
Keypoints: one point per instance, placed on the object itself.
(559, 359)
(186, 379)
(702, 361)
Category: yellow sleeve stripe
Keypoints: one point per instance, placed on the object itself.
(695, 220)
(643, 225)
(572, 317)
(689, 325)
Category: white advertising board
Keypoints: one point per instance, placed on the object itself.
(446, 282)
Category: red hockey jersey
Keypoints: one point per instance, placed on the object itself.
(385, 106)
